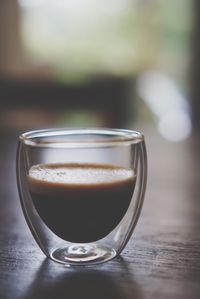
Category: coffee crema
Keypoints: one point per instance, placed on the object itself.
(81, 203)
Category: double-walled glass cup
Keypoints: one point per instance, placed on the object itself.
(81, 190)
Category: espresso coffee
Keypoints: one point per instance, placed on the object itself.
(81, 203)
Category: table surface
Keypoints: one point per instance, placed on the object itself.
(162, 259)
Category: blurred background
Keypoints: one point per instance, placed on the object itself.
(110, 63)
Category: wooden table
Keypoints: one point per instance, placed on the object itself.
(162, 259)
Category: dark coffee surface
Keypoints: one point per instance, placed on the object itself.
(81, 203)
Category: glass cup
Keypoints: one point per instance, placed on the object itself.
(81, 190)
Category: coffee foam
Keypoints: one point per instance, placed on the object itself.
(60, 176)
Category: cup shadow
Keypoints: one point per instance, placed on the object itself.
(56, 281)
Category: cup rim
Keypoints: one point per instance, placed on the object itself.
(109, 136)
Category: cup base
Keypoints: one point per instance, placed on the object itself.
(83, 254)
